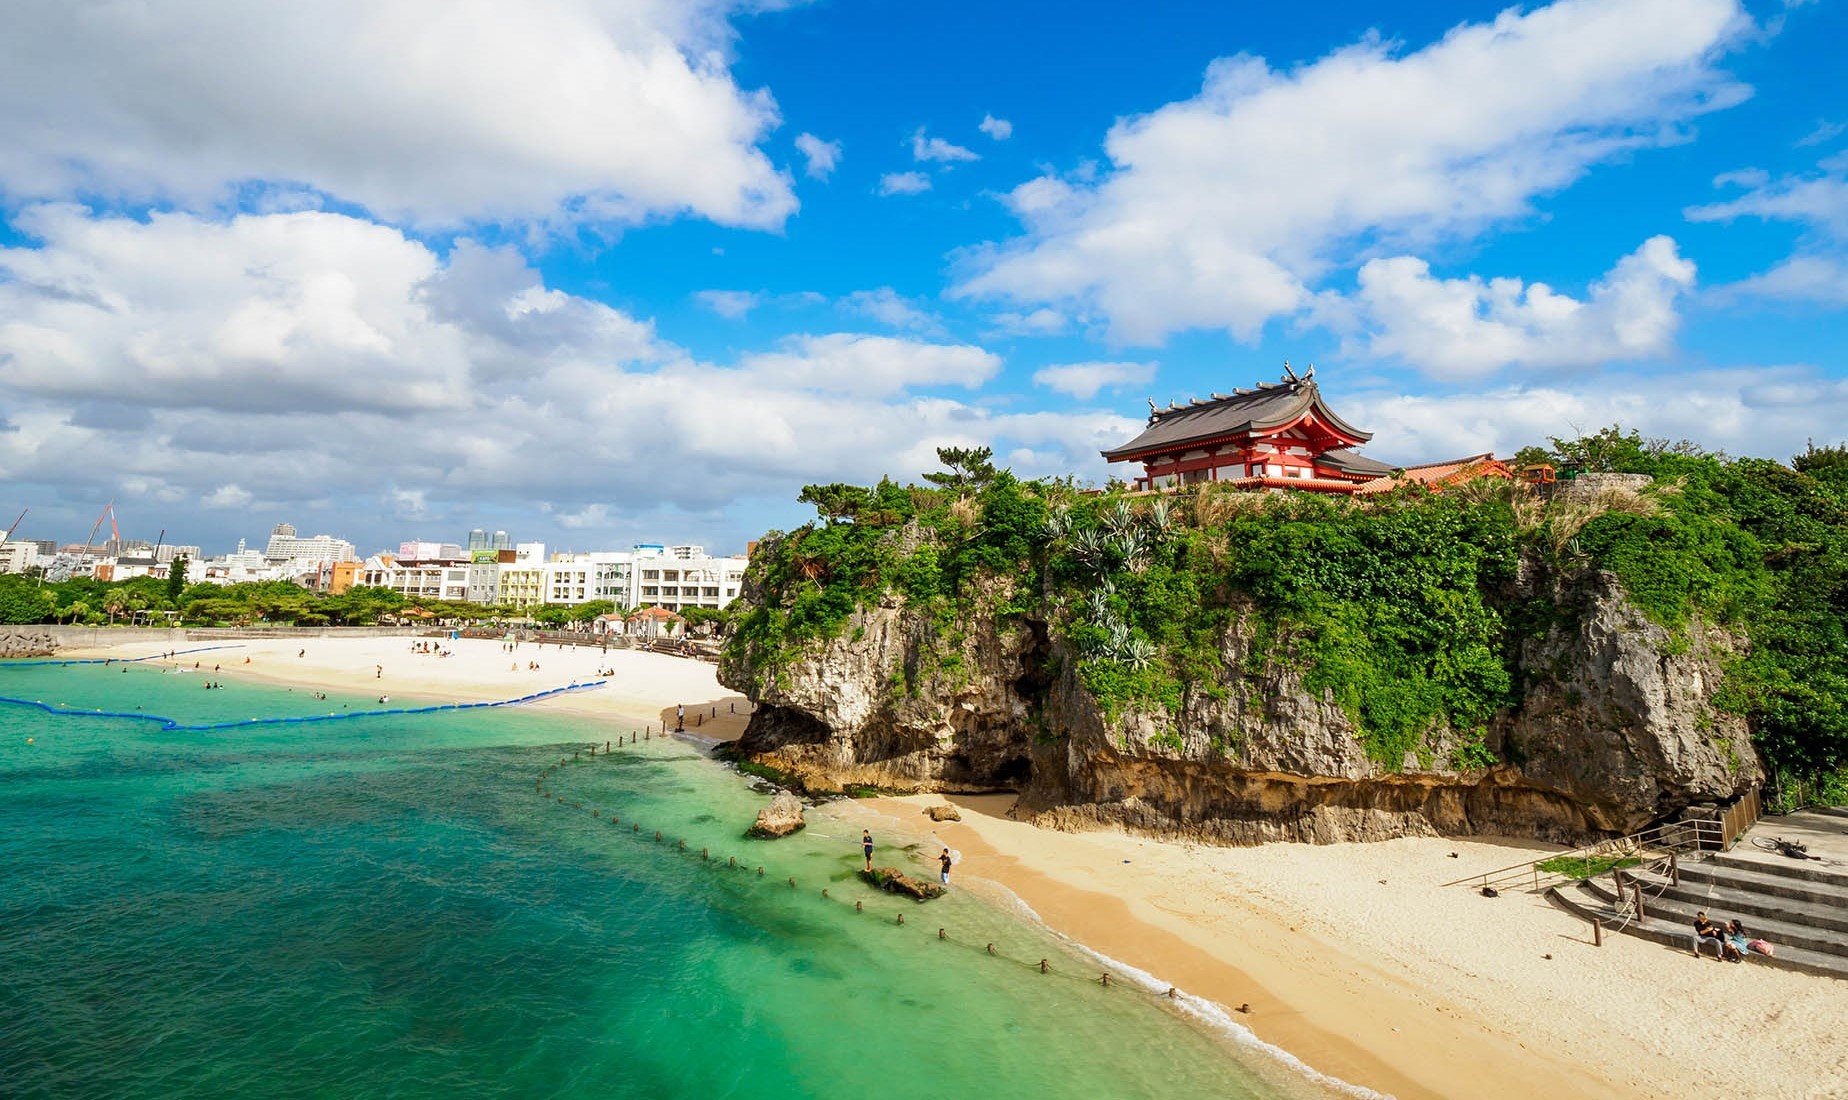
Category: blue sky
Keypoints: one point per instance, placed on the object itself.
(600, 272)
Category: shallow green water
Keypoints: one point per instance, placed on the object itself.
(388, 907)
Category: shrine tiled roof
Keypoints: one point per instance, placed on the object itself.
(1440, 473)
(1351, 462)
(1270, 405)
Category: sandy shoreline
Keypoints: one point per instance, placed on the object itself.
(478, 670)
(1349, 956)
(1353, 960)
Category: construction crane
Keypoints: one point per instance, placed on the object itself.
(8, 537)
(108, 513)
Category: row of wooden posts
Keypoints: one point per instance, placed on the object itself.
(1634, 891)
(1044, 966)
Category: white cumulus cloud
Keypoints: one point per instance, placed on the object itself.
(1818, 270)
(310, 362)
(822, 156)
(1230, 209)
(925, 149)
(903, 183)
(844, 362)
(998, 128)
(1767, 411)
(1459, 328)
(1085, 380)
(425, 111)
(888, 306)
(733, 305)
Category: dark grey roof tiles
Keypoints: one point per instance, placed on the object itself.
(1271, 404)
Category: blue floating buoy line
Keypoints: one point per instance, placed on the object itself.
(176, 725)
(119, 660)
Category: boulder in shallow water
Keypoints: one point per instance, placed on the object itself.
(894, 881)
(782, 817)
(945, 812)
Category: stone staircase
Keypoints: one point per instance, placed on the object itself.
(1801, 907)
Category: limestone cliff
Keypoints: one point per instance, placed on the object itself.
(1614, 728)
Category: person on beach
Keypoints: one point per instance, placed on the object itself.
(945, 861)
(378, 672)
(866, 845)
(301, 653)
(680, 717)
(1738, 943)
(1704, 930)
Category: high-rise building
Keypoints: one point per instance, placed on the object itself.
(286, 546)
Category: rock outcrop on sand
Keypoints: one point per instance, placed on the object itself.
(1616, 727)
(945, 812)
(26, 641)
(894, 881)
(782, 817)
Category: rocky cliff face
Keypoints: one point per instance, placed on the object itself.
(1616, 728)
(27, 641)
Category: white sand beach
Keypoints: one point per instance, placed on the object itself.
(477, 670)
(1349, 956)
(1353, 959)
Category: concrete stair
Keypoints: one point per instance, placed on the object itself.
(1800, 907)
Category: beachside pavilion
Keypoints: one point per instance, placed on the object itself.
(1281, 435)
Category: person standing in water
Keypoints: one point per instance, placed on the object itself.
(946, 861)
(866, 845)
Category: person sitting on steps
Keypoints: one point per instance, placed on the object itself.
(1704, 930)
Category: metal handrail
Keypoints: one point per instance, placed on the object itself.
(1702, 831)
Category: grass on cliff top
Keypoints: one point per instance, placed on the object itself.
(1584, 867)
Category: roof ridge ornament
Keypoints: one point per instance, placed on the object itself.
(1289, 375)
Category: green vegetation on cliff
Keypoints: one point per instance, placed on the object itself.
(1403, 608)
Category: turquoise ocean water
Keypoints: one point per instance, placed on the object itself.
(388, 907)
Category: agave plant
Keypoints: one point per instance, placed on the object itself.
(1132, 546)
(1058, 523)
(1136, 653)
(1160, 517)
(1119, 517)
(1098, 604)
(1089, 545)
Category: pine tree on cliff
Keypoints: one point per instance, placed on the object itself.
(967, 468)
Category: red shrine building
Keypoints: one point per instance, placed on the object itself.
(1280, 435)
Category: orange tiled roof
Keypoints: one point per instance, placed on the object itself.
(1439, 474)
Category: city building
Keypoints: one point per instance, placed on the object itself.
(680, 577)
(432, 580)
(431, 551)
(17, 557)
(286, 546)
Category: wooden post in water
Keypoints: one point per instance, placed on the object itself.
(1640, 916)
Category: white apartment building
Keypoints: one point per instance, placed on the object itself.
(17, 557)
(286, 546)
(434, 580)
(651, 574)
